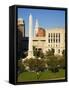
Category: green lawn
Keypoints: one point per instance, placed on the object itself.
(48, 75)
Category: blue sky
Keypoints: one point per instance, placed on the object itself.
(46, 18)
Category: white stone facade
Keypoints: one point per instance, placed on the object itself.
(55, 38)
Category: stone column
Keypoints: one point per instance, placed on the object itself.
(36, 27)
(30, 47)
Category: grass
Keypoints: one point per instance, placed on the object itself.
(48, 75)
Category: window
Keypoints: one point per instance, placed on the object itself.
(54, 35)
(58, 50)
(59, 34)
(54, 40)
(59, 40)
(48, 40)
(59, 37)
(49, 35)
(51, 40)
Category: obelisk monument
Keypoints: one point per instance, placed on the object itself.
(36, 27)
(30, 47)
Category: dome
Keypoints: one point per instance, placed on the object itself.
(40, 32)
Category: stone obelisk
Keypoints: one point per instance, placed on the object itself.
(36, 27)
(30, 47)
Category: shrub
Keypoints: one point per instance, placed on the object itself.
(53, 63)
(21, 66)
(38, 53)
(35, 64)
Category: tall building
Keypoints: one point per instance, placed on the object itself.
(20, 35)
(21, 26)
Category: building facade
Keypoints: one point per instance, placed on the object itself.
(54, 38)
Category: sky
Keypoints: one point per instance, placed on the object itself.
(46, 18)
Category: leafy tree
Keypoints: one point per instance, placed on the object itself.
(53, 63)
(61, 60)
(36, 64)
(38, 53)
(50, 52)
(35, 51)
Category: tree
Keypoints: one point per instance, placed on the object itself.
(61, 60)
(38, 53)
(36, 64)
(52, 63)
(34, 51)
(50, 52)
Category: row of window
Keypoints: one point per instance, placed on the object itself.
(54, 35)
(53, 46)
(54, 40)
